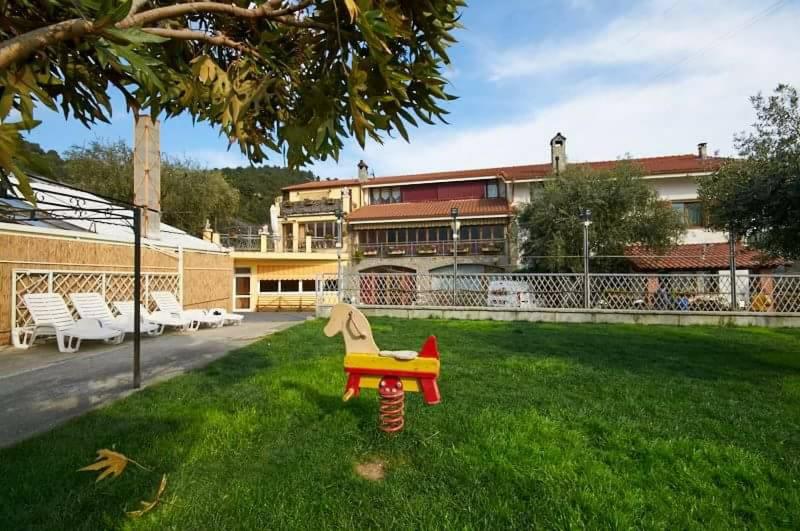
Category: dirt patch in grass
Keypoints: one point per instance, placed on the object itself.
(374, 470)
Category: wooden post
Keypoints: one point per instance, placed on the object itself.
(147, 173)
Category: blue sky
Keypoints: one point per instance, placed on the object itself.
(617, 77)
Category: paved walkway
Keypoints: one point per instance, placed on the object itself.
(41, 388)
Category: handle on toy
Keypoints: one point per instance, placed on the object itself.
(352, 321)
(348, 395)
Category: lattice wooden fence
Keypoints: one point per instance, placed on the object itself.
(698, 292)
(114, 286)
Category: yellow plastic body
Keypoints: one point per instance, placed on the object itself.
(391, 365)
(410, 385)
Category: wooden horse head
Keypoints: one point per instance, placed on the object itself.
(354, 328)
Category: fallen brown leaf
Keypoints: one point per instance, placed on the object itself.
(113, 462)
(148, 506)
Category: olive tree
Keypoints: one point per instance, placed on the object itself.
(757, 196)
(625, 211)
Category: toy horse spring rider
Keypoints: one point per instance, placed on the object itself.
(391, 372)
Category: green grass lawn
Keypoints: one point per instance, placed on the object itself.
(540, 425)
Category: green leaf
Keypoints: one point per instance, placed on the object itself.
(133, 36)
(398, 123)
(6, 102)
(110, 11)
(23, 183)
(121, 11)
(204, 68)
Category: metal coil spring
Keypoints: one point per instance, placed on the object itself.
(392, 408)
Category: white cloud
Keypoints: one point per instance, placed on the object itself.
(656, 32)
(702, 62)
(215, 158)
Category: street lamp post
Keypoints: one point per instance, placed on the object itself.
(339, 222)
(732, 268)
(586, 218)
(456, 228)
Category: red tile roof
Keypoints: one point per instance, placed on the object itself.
(680, 164)
(697, 256)
(314, 185)
(430, 209)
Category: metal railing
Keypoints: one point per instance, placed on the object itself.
(322, 244)
(315, 206)
(241, 242)
(422, 249)
(705, 292)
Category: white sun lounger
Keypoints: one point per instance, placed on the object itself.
(227, 317)
(93, 306)
(167, 302)
(51, 317)
(160, 318)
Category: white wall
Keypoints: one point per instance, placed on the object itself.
(685, 188)
(703, 236)
(675, 189)
(521, 193)
(670, 189)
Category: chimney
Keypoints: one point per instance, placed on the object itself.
(558, 153)
(363, 171)
(208, 232)
(147, 174)
(702, 150)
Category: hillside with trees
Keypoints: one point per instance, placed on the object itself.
(258, 186)
(228, 194)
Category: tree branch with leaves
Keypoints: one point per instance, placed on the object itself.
(298, 76)
(625, 211)
(757, 196)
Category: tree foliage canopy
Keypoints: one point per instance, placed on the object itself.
(107, 169)
(625, 211)
(758, 196)
(293, 75)
(258, 187)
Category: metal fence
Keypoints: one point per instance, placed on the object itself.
(114, 286)
(704, 292)
(241, 242)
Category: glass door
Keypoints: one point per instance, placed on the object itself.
(241, 289)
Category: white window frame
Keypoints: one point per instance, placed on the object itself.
(235, 297)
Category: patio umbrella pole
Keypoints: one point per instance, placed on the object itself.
(137, 295)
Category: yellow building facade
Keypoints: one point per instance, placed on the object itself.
(276, 268)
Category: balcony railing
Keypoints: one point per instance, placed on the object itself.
(241, 242)
(423, 249)
(322, 245)
(308, 206)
